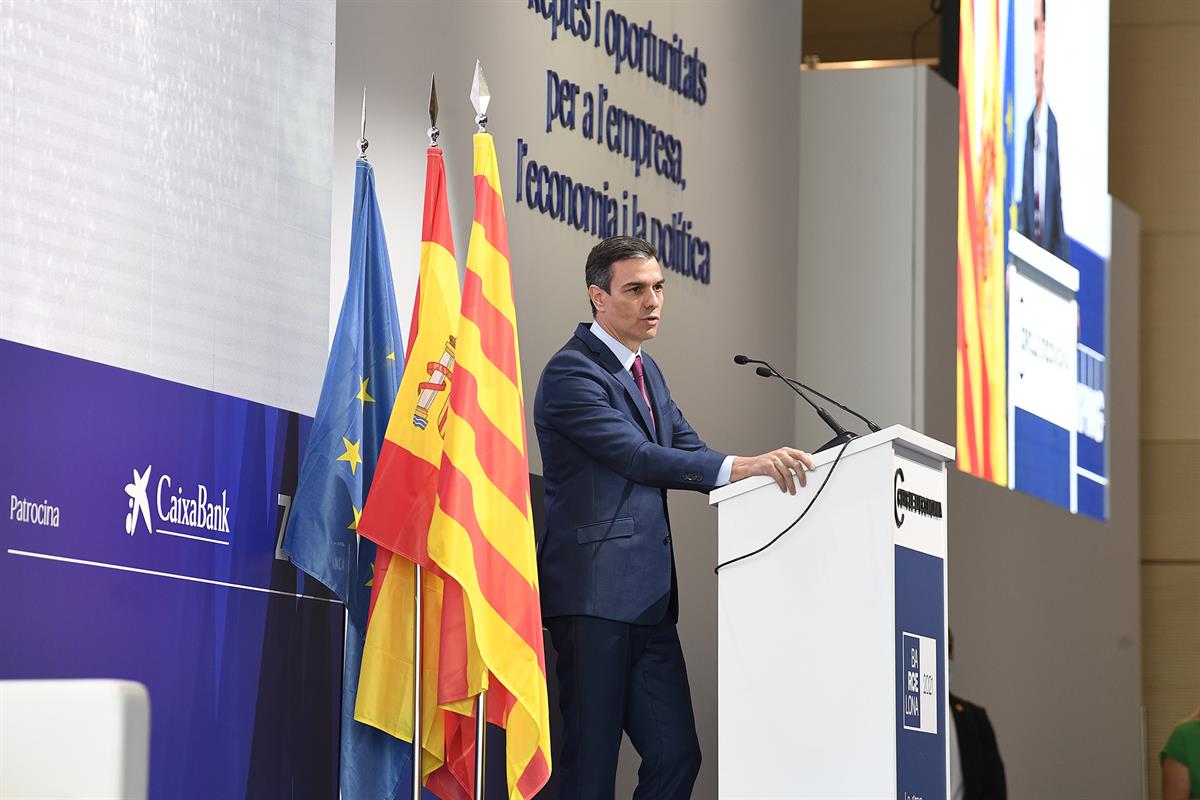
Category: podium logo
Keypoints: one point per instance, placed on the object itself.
(200, 508)
(918, 672)
(911, 501)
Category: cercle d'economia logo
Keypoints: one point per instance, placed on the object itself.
(199, 509)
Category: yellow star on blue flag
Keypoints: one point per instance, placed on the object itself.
(351, 454)
(362, 393)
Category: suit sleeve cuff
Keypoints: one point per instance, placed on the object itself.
(725, 471)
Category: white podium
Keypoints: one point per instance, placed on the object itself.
(1045, 369)
(831, 642)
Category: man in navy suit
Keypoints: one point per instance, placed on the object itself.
(976, 769)
(613, 442)
(1041, 215)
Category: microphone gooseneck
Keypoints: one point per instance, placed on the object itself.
(767, 371)
(741, 359)
(841, 435)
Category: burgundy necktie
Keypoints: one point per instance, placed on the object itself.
(639, 377)
(1037, 199)
(1037, 219)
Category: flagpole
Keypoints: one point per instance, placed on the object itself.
(418, 749)
(418, 619)
(480, 97)
(362, 137)
(480, 745)
(362, 156)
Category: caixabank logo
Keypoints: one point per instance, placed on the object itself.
(194, 509)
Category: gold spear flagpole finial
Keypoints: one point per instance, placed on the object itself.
(480, 97)
(434, 133)
(362, 140)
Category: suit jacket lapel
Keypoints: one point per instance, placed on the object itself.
(609, 361)
(658, 394)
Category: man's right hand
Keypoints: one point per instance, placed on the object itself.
(778, 465)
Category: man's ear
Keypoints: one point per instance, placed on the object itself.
(598, 296)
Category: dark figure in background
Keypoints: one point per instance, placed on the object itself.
(976, 771)
(1041, 215)
(613, 442)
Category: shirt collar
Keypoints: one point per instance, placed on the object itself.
(623, 353)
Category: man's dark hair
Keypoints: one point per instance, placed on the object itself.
(598, 271)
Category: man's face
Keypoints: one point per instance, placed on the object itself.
(1039, 45)
(631, 310)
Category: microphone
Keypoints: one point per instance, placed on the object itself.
(767, 371)
(873, 426)
(740, 359)
(841, 434)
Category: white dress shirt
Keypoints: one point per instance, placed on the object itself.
(626, 357)
(956, 776)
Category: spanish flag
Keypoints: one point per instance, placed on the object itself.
(482, 531)
(400, 505)
(981, 379)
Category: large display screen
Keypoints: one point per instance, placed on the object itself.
(1034, 238)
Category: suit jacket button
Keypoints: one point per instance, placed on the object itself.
(667, 539)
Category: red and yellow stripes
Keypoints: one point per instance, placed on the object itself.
(482, 531)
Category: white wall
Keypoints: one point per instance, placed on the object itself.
(857, 284)
(1044, 604)
(165, 188)
(741, 193)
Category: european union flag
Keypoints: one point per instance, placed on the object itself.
(361, 380)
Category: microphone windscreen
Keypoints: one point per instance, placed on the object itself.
(766, 373)
(740, 359)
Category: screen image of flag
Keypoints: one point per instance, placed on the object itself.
(482, 532)
(984, 207)
(361, 378)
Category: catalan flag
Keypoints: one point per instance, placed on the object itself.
(400, 506)
(482, 532)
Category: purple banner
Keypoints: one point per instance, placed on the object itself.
(138, 540)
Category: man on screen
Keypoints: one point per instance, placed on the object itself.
(1041, 216)
(613, 442)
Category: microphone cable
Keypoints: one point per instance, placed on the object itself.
(796, 521)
